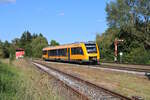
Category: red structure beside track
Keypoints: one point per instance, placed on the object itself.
(19, 53)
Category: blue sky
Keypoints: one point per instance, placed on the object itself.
(65, 21)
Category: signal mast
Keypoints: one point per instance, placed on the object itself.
(116, 42)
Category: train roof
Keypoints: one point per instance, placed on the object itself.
(68, 45)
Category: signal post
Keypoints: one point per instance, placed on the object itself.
(116, 42)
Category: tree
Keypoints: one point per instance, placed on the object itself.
(16, 42)
(27, 36)
(12, 50)
(6, 50)
(131, 16)
(37, 45)
(34, 35)
(25, 39)
(28, 50)
(105, 42)
(40, 35)
(54, 43)
(128, 20)
(1, 49)
(32, 44)
(25, 42)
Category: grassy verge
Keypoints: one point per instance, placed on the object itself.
(20, 81)
(9, 79)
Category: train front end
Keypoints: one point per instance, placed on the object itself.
(92, 52)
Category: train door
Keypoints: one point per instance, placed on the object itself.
(68, 54)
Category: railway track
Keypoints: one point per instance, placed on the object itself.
(117, 67)
(146, 70)
(84, 88)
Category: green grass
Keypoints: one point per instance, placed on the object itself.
(9, 79)
(20, 81)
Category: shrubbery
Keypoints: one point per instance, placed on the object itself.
(137, 56)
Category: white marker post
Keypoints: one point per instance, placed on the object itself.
(121, 54)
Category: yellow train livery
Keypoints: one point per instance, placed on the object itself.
(75, 52)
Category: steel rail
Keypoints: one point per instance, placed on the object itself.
(125, 68)
(146, 70)
(80, 95)
(126, 63)
(114, 94)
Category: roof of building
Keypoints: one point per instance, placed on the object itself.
(19, 49)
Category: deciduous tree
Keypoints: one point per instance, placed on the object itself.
(53, 43)
(37, 45)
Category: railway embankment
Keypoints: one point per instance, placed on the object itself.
(123, 83)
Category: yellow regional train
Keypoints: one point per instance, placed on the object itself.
(76, 52)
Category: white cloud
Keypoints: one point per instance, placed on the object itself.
(7, 1)
(61, 14)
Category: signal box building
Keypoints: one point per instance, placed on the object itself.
(19, 53)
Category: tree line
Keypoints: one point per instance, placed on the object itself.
(31, 43)
(128, 20)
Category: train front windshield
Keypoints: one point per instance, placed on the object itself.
(91, 47)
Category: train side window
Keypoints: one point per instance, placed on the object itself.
(48, 52)
(76, 51)
(72, 51)
(80, 51)
(65, 52)
(44, 52)
(62, 52)
(57, 52)
(52, 52)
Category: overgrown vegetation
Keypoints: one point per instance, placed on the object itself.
(128, 20)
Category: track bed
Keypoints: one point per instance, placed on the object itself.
(124, 83)
(89, 90)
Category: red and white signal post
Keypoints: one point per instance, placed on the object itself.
(116, 42)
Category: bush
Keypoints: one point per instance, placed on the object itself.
(37, 45)
(138, 56)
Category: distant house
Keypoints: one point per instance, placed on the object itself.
(19, 53)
